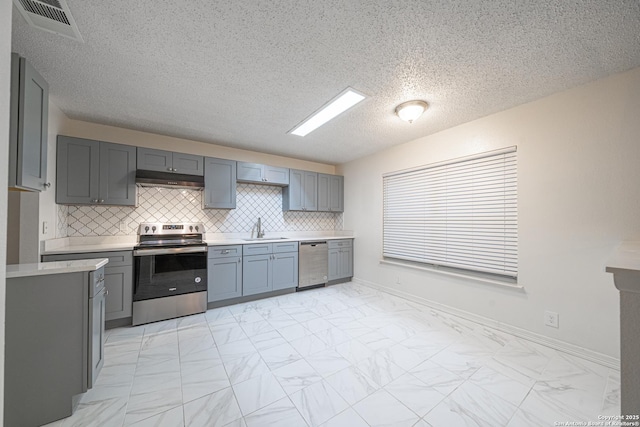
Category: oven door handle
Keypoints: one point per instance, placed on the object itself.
(169, 251)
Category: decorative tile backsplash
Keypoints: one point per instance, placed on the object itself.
(181, 205)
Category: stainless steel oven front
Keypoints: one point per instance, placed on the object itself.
(169, 282)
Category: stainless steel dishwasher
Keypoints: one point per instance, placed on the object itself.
(313, 267)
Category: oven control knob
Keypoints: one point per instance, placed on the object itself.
(191, 228)
(197, 228)
(198, 280)
(146, 229)
(153, 228)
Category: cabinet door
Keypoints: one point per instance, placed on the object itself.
(249, 172)
(219, 183)
(154, 160)
(97, 308)
(284, 270)
(119, 284)
(293, 195)
(310, 192)
(188, 164)
(77, 171)
(334, 264)
(225, 278)
(117, 174)
(323, 192)
(346, 262)
(336, 193)
(28, 154)
(256, 274)
(275, 175)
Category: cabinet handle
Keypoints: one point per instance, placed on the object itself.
(239, 259)
(46, 185)
(224, 252)
(106, 292)
(101, 200)
(94, 200)
(175, 170)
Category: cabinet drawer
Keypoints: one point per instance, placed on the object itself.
(336, 244)
(257, 249)
(285, 247)
(116, 259)
(225, 251)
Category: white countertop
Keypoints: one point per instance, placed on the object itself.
(625, 266)
(98, 247)
(58, 267)
(626, 257)
(76, 245)
(240, 241)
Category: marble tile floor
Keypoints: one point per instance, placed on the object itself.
(345, 355)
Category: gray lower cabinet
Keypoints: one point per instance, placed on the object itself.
(302, 192)
(118, 276)
(167, 161)
(54, 342)
(97, 319)
(284, 270)
(330, 193)
(95, 172)
(224, 271)
(256, 274)
(270, 268)
(29, 107)
(219, 183)
(340, 259)
(256, 173)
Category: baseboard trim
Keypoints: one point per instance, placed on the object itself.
(565, 347)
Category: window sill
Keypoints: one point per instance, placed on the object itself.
(439, 270)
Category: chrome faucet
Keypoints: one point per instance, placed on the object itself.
(259, 229)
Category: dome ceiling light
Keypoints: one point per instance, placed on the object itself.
(411, 110)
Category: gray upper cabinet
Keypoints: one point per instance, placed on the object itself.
(330, 193)
(188, 164)
(28, 127)
(167, 161)
(94, 172)
(117, 174)
(256, 173)
(302, 192)
(219, 183)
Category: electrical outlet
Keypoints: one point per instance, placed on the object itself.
(551, 319)
(397, 280)
(123, 226)
(45, 227)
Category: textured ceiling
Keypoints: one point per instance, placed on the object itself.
(242, 73)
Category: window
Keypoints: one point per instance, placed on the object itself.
(460, 213)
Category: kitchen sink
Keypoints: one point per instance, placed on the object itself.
(258, 239)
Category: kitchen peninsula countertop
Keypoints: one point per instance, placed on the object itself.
(75, 245)
(57, 267)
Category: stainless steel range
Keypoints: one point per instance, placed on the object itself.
(170, 272)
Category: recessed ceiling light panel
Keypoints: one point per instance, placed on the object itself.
(341, 103)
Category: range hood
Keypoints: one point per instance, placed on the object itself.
(145, 178)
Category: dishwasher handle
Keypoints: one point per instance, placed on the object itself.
(313, 243)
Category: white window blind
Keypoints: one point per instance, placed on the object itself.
(462, 213)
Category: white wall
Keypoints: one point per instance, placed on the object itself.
(579, 195)
(5, 72)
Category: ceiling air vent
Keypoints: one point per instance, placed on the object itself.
(49, 15)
